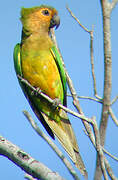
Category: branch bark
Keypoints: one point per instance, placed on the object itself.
(31, 166)
(106, 12)
(52, 145)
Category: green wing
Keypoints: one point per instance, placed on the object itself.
(17, 60)
(33, 100)
(18, 69)
(58, 61)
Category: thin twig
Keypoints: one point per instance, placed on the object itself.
(113, 116)
(92, 62)
(114, 100)
(109, 154)
(92, 65)
(113, 4)
(85, 29)
(104, 150)
(109, 170)
(73, 91)
(52, 145)
(88, 98)
(91, 51)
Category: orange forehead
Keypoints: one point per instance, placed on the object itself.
(39, 14)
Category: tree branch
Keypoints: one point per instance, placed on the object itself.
(113, 116)
(31, 166)
(99, 149)
(110, 155)
(52, 145)
(91, 50)
(88, 98)
(107, 80)
(92, 65)
(85, 29)
(113, 4)
(114, 100)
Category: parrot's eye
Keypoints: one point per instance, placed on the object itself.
(45, 12)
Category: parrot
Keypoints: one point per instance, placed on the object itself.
(37, 60)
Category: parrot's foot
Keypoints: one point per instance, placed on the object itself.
(55, 103)
(37, 92)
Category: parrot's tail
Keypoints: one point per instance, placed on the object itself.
(65, 135)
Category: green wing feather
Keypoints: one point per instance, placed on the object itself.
(33, 101)
(58, 61)
(17, 60)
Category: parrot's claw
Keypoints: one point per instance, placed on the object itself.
(55, 103)
(37, 92)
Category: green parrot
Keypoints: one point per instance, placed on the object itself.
(37, 60)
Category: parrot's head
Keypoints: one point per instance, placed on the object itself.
(40, 18)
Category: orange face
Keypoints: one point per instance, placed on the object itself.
(45, 14)
(39, 19)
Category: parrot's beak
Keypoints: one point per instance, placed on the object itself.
(55, 21)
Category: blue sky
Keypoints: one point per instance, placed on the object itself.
(74, 45)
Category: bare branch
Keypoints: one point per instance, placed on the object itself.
(31, 166)
(109, 170)
(108, 70)
(77, 20)
(110, 155)
(92, 62)
(92, 65)
(114, 100)
(99, 149)
(107, 79)
(113, 116)
(88, 98)
(91, 51)
(104, 150)
(52, 145)
(113, 4)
